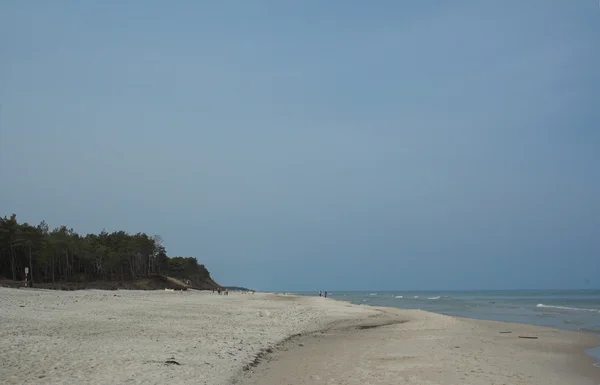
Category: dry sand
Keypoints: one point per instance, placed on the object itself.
(127, 337)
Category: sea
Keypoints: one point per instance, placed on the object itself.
(564, 309)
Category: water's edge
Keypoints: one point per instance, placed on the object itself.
(595, 354)
(566, 310)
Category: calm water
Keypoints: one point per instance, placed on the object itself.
(572, 310)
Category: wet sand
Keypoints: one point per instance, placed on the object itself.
(422, 348)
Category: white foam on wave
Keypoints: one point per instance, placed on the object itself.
(372, 293)
(416, 296)
(399, 296)
(434, 298)
(541, 305)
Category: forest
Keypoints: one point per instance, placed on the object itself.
(63, 255)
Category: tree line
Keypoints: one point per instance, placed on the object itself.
(61, 254)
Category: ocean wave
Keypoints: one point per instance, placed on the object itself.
(416, 296)
(434, 298)
(541, 305)
(399, 296)
(372, 293)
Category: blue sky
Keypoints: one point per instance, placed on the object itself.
(306, 145)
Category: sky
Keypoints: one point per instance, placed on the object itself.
(315, 145)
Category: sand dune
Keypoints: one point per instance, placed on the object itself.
(158, 337)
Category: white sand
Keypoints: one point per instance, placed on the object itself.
(114, 337)
(125, 337)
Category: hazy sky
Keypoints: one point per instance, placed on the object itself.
(306, 145)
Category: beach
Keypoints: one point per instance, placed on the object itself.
(418, 347)
(192, 337)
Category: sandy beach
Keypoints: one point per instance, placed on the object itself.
(156, 337)
(417, 347)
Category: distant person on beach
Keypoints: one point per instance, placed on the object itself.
(325, 293)
(320, 294)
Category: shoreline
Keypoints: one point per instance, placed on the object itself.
(344, 353)
(594, 358)
(193, 337)
(593, 352)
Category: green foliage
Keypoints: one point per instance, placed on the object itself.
(186, 267)
(237, 288)
(63, 255)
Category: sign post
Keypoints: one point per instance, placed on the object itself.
(26, 273)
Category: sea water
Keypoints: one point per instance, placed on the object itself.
(564, 309)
